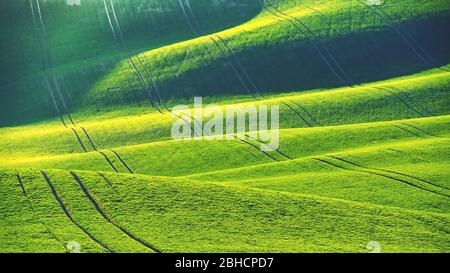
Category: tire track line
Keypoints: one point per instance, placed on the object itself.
(411, 101)
(239, 66)
(330, 63)
(267, 145)
(121, 41)
(24, 192)
(122, 161)
(386, 18)
(69, 216)
(381, 175)
(398, 96)
(89, 139)
(152, 82)
(108, 160)
(419, 129)
(257, 148)
(107, 218)
(408, 131)
(388, 171)
(40, 31)
(298, 114)
(119, 37)
(107, 181)
(47, 63)
(344, 73)
(79, 140)
(186, 9)
(314, 119)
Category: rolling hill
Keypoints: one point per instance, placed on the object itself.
(87, 156)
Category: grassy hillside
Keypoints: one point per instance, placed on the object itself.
(87, 156)
(280, 47)
(74, 46)
(274, 221)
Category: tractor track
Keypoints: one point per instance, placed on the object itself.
(46, 63)
(119, 38)
(425, 58)
(198, 31)
(239, 63)
(89, 139)
(79, 140)
(108, 161)
(69, 216)
(298, 114)
(152, 82)
(243, 75)
(107, 181)
(408, 131)
(40, 31)
(388, 171)
(107, 218)
(256, 147)
(410, 101)
(403, 101)
(273, 148)
(369, 171)
(331, 63)
(199, 124)
(314, 119)
(122, 161)
(419, 129)
(24, 192)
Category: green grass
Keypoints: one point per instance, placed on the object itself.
(361, 163)
(171, 214)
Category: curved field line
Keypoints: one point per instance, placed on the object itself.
(256, 147)
(107, 181)
(122, 161)
(267, 145)
(289, 19)
(24, 191)
(46, 61)
(152, 82)
(388, 171)
(420, 129)
(408, 131)
(404, 102)
(200, 32)
(89, 139)
(308, 113)
(298, 114)
(79, 140)
(69, 216)
(383, 15)
(120, 40)
(108, 161)
(412, 101)
(408, 33)
(107, 218)
(381, 175)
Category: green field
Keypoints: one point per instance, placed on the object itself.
(87, 156)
